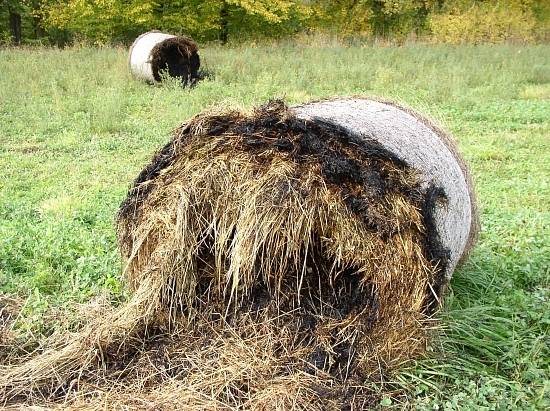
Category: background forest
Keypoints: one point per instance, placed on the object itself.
(63, 22)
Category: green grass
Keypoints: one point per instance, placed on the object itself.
(75, 129)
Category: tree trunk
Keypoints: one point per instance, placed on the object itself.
(224, 31)
(37, 20)
(15, 26)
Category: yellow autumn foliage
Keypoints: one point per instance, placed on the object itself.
(485, 22)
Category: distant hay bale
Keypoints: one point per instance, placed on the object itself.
(288, 255)
(154, 52)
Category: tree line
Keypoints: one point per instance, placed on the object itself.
(120, 21)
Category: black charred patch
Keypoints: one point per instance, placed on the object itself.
(340, 155)
(283, 144)
(339, 170)
(178, 57)
(437, 253)
(317, 302)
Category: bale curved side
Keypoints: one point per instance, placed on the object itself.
(139, 58)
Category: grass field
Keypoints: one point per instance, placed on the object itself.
(75, 129)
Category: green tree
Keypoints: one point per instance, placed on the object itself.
(376, 17)
(13, 10)
(478, 21)
(100, 20)
(263, 17)
(104, 20)
(22, 21)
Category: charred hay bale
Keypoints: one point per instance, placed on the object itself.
(154, 52)
(359, 205)
(351, 179)
(298, 250)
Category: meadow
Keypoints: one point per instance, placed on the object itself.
(76, 129)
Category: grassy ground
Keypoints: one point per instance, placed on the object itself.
(75, 129)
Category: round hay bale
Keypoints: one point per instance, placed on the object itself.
(355, 203)
(369, 156)
(293, 252)
(154, 52)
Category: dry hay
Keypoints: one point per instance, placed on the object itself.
(275, 263)
(9, 310)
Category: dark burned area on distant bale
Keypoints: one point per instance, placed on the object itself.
(178, 57)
